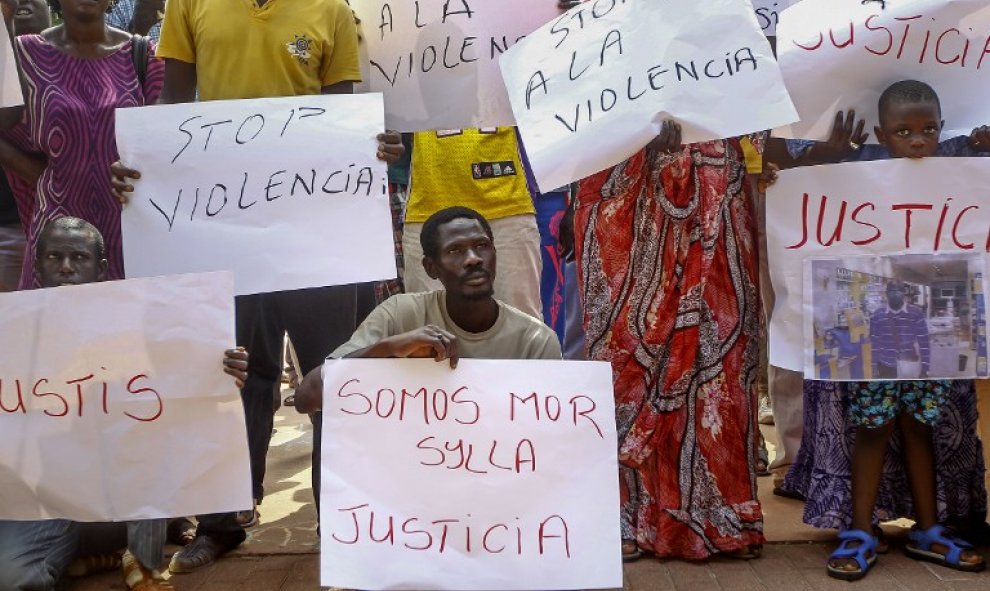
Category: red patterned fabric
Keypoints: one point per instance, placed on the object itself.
(667, 252)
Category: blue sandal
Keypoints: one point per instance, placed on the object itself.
(920, 548)
(865, 554)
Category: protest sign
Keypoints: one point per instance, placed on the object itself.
(496, 475)
(285, 192)
(842, 54)
(114, 405)
(436, 61)
(593, 86)
(858, 227)
(10, 85)
(768, 14)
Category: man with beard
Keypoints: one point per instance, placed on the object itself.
(461, 320)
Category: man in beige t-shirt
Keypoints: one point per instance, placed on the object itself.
(461, 320)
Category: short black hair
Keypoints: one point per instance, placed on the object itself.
(71, 224)
(907, 91)
(429, 238)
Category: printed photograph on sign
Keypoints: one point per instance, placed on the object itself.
(899, 317)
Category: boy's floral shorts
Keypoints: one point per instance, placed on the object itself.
(874, 404)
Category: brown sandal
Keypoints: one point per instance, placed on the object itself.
(751, 552)
(630, 551)
(89, 565)
(140, 578)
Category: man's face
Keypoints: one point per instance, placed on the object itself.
(31, 17)
(85, 10)
(895, 295)
(68, 257)
(910, 130)
(465, 262)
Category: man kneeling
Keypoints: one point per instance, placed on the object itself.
(35, 555)
(461, 320)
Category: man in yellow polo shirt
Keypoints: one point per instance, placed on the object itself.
(238, 49)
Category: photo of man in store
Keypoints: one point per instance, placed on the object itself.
(899, 337)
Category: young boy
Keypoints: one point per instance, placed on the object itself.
(910, 126)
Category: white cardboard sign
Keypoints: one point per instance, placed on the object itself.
(286, 192)
(10, 86)
(768, 14)
(842, 54)
(496, 475)
(857, 209)
(114, 405)
(436, 61)
(593, 86)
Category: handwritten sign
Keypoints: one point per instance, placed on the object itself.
(768, 13)
(436, 61)
(10, 86)
(285, 192)
(113, 403)
(497, 475)
(593, 87)
(842, 54)
(932, 206)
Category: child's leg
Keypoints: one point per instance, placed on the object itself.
(920, 403)
(871, 408)
(867, 469)
(919, 462)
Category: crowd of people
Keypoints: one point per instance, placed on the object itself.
(653, 265)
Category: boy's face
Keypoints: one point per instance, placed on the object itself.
(910, 130)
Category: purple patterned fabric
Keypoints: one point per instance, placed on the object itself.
(822, 472)
(70, 114)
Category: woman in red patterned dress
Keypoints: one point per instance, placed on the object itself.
(667, 254)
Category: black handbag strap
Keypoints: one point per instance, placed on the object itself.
(139, 50)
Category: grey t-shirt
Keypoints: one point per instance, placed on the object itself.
(515, 335)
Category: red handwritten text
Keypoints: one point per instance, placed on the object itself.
(76, 397)
(825, 223)
(457, 534)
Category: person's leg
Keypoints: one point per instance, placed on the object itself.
(146, 541)
(35, 554)
(318, 321)
(921, 402)
(872, 409)
(519, 263)
(787, 402)
(145, 554)
(258, 330)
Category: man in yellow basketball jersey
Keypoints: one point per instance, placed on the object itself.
(480, 169)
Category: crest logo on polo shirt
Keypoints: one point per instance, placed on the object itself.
(299, 48)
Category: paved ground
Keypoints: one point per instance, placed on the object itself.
(280, 553)
(784, 567)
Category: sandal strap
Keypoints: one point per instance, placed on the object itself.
(939, 534)
(867, 545)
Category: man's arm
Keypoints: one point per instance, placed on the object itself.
(425, 342)
(26, 166)
(180, 83)
(147, 13)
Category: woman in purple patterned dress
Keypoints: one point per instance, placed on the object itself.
(76, 74)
